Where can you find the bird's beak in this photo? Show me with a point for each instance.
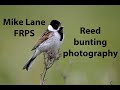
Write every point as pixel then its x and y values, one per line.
pixel 62 27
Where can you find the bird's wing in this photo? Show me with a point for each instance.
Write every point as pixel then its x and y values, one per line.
pixel 43 38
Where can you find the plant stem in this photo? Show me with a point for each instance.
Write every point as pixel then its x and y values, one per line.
pixel 43 76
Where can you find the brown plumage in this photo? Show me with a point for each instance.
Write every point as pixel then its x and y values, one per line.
pixel 44 37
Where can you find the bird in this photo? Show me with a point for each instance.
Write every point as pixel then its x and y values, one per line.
pixel 51 39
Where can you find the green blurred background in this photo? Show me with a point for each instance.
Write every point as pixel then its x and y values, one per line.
pixel 15 51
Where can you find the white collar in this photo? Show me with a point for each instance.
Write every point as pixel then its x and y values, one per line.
pixel 51 28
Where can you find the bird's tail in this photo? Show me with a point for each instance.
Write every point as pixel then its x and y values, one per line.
pixel 29 63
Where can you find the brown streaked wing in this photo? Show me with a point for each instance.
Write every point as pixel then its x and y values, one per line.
pixel 44 37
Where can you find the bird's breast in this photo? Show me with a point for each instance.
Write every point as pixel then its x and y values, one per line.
pixel 52 43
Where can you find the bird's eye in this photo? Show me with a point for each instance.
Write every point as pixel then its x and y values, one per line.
pixel 56 24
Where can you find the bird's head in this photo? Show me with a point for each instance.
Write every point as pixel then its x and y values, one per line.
pixel 54 25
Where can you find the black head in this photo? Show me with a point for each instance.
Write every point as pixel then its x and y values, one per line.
pixel 55 24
